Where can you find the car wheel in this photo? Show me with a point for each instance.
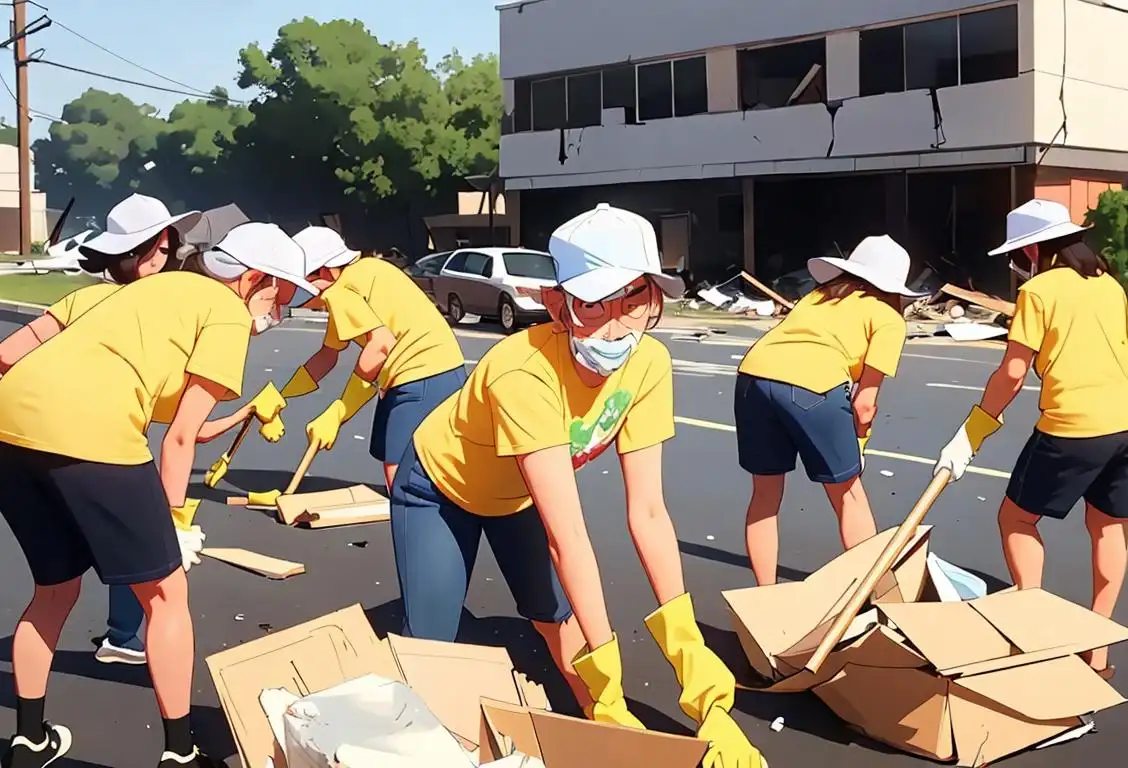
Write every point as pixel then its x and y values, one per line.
pixel 455 308
pixel 507 314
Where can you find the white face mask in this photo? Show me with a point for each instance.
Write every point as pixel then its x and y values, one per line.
pixel 604 356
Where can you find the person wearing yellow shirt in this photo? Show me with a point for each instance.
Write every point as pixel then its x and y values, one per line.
pixel 1069 327
pixel 499 457
pixel 79 487
pixel 808 390
pixel 408 352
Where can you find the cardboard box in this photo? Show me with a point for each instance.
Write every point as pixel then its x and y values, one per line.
pixel 970 682
pixel 340 647
pixel 569 742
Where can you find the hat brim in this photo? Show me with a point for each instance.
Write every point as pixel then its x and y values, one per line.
pixel 601 282
pixel 825 268
pixel 334 260
pixel 1052 232
pixel 118 243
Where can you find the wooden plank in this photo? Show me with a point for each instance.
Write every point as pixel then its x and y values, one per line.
pixel 767 291
pixel 263 565
pixel 980 299
pixel 347 514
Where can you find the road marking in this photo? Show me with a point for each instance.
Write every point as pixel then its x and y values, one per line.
pixel 974 389
pixel 951 359
pixel 717 426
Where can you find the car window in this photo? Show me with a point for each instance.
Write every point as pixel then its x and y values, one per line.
pixel 457 262
pixel 432 265
pixel 538 266
pixel 478 264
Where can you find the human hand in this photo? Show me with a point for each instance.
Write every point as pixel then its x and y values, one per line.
pixel 273 430
pixel 323 431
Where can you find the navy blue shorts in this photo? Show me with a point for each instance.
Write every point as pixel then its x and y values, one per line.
pixel 436 543
pixel 1053 473
pixel 402 409
pixel 777 423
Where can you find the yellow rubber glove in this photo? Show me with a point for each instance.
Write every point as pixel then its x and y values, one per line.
pixel 263 498
pixel 323 430
pixel 956 456
pixel 268 403
pixel 602 673
pixel 216 471
pixel 273 430
pixel 301 383
pixel 862 441
pixel 707 684
pixel 182 517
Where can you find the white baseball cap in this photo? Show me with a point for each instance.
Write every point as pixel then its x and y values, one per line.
pixel 606 249
pixel 134 220
pixel 324 247
pixel 264 247
pixel 879 260
pixel 1036 222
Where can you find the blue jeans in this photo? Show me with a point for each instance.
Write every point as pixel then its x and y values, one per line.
pixel 436 544
pixel 402 409
pixel 124 622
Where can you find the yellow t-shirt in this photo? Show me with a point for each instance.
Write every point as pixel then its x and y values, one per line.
pixel 371 293
pixel 526 395
pixel 825 342
pixel 77 303
pixel 90 392
pixel 1077 327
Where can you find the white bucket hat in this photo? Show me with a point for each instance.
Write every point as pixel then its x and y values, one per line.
pixel 605 250
pixel 324 247
pixel 134 220
pixel 1036 222
pixel 879 260
pixel 264 247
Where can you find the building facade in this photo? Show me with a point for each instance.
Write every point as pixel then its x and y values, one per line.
pixel 758 133
pixel 10 204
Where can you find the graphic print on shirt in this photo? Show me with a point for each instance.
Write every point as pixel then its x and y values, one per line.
pixel 588 441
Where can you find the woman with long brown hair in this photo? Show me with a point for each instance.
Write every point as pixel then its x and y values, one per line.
pixel 808 390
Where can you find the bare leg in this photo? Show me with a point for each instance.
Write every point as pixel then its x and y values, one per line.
pixel 169 641
pixel 1022 545
pixel 761 535
pixel 37 634
pixel 1110 560
pixel 564 642
pixel 851 505
pixel 389 476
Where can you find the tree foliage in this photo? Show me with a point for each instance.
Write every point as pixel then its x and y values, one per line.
pixel 1109 235
pixel 339 119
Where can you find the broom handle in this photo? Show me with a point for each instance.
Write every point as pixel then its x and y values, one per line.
pixel 301 470
pixel 238 441
pixel 893 551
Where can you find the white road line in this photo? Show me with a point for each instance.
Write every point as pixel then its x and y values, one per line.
pixel 951 359
pixel 717 426
pixel 969 387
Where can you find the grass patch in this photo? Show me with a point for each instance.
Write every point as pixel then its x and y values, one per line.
pixel 41 289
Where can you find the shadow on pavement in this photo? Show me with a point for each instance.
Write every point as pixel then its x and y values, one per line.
pixel 740 560
pixel 65 762
pixel 83 664
pixel 994 584
pixel 269 479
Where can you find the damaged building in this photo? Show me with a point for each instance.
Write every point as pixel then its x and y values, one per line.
pixel 756 134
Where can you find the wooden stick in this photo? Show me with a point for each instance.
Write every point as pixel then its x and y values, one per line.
pixel 238 441
pixel 768 291
pixel 301 470
pixel 893 551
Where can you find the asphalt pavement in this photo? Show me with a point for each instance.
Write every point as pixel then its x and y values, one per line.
pixel 111 709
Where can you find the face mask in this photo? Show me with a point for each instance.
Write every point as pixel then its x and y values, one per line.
pixel 264 323
pixel 1023 274
pixel 604 356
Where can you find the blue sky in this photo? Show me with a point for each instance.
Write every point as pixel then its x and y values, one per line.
pixel 197 42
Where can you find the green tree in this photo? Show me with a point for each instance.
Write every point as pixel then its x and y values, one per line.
pixel 1109 235
pixel 473 90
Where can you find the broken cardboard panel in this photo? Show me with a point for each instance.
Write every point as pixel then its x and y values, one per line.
pixel 263 565
pixel 311 507
pixel 568 742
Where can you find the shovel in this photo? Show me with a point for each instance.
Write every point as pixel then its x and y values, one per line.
pixel 219 469
pixel 893 551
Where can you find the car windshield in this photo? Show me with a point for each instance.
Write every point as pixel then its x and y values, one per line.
pixel 538 266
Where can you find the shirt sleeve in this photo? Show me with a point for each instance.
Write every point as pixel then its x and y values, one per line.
pixel 1028 327
pixel 650 418
pixel 220 355
pixel 886 342
pixel 63 309
pixel 351 316
pixel 528 414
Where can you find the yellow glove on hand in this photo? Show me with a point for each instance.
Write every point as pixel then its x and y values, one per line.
pixel 301 383
pixel 273 430
pixel 862 441
pixel 707 684
pixel 217 470
pixel 182 517
pixel 322 431
pixel 263 498
pixel 956 456
pixel 728 746
pixel 602 673
pixel 268 403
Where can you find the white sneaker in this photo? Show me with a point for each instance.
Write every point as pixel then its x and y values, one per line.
pixel 23 754
pixel 112 654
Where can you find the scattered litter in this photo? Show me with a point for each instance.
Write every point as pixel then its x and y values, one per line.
pixel 886 473
pixel 777 724
pixel 710 538
pixel 359 544
pixel 267 628
pixel 268 370
pixel 952 583
pixel 694 304
pixel 239 617
pixel 714 297
pixel 981 498
pixel 276 350
pixel 974 331
pixel 358 437
pixel 604 472
pixel 263 565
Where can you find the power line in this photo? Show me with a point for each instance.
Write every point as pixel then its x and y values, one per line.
pixel 35 112
pixel 127 81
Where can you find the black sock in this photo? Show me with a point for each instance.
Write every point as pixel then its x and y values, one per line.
pixel 29 719
pixel 178 736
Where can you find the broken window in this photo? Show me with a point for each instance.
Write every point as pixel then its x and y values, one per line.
pixel 691 87
pixel 585 100
pixel 619 91
pixel 655 91
pixel 550 104
pixel 932 54
pixel 989 45
pixel 522 106
pixel 783 75
pixel 881 61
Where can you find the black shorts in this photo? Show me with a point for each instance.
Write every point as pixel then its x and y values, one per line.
pixel 70 516
pixel 1054 473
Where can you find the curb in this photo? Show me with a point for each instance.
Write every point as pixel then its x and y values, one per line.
pixel 21 308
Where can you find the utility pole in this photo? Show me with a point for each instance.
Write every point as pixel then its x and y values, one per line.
pixel 23 122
